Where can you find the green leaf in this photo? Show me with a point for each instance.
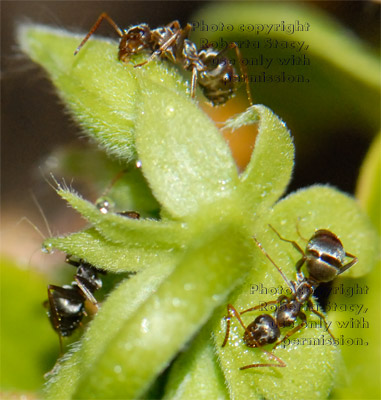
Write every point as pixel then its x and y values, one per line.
pixel 27 343
pixel 100 91
pixel 169 318
pixel 186 161
pixel 189 266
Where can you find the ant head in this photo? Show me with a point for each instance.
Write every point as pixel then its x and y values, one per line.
pixel 325 256
pixel 133 41
pixel 263 330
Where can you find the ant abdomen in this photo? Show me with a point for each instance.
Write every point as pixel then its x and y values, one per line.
pixel 325 256
pixel 66 309
pixel 66 304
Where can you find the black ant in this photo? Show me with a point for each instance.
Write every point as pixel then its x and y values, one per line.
pixel 66 304
pixel 324 258
pixel 214 74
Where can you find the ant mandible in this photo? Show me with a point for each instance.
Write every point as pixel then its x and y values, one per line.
pixel 214 73
pixel 324 258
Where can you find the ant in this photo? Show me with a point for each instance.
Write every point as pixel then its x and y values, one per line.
pixel 66 304
pixel 324 258
pixel 214 74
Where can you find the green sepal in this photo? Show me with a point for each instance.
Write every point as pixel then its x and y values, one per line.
pixel 267 175
pixel 124 301
pixel 185 160
pixel 91 246
pixel 134 232
pixel 196 373
pixel 169 317
pixel 101 92
pixel 317 207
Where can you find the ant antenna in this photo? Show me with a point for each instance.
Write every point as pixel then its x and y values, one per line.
pixel 273 262
pixel 298 230
pixel 296 246
pixel 118 176
pixel 96 26
pixel 34 226
pixel 41 211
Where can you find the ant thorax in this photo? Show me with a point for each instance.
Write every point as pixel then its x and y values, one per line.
pixel 304 290
pixel 163 35
pixel 88 275
pixel 190 57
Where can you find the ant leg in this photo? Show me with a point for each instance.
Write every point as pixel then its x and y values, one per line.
pixel 86 292
pixel 193 82
pixel 350 264
pixel 96 26
pixel 116 178
pixel 260 305
pixel 303 324
pixel 72 262
pixel 271 355
pixel 300 263
pixel 321 316
pixel 160 50
pixel 231 312
pixel 273 262
pixel 174 25
pixel 243 69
